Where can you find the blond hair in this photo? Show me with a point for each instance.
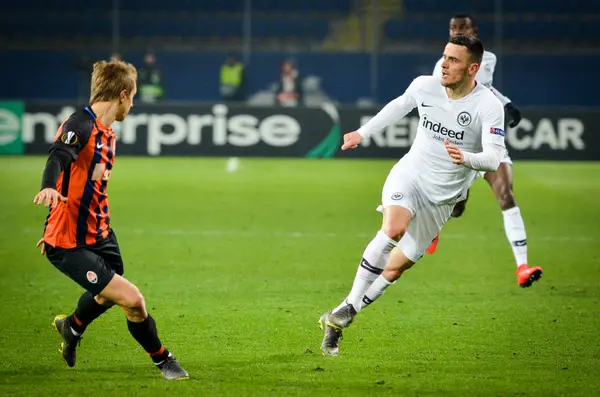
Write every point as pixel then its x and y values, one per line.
pixel 110 78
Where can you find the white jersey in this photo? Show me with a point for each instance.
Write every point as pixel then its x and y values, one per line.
pixel 472 123
pixel 485 75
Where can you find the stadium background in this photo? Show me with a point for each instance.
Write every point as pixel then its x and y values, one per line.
pixel 355 55
pixel 359 49
pixel 237 257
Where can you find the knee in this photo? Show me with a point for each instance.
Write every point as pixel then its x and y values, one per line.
pixel 394 229
pixel 134 300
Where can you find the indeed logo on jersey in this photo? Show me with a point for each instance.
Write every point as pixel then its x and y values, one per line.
pixel 442 132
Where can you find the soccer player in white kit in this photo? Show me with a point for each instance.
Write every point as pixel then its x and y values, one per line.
pixel 500 180
pixel 461 132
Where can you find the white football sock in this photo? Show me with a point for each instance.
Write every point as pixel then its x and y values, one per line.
pixel 371 265
pixel 375 291
pixel 515 233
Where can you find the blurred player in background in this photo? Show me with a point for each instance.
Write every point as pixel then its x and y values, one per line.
pixel 460 132
pixel 78 239
pixel 501 180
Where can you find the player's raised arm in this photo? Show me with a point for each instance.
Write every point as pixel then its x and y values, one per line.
pixel 393 111
pixel 72 138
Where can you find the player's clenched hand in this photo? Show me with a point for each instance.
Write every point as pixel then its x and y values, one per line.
pixel 352 140
pixel 454 152
pixel 41 242
pixel 49 197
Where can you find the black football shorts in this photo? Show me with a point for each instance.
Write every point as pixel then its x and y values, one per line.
pixel 90 266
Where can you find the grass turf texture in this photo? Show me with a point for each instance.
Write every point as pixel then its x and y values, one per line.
pixel 237 267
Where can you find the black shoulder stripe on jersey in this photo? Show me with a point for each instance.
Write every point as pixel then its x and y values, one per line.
pixel 75 133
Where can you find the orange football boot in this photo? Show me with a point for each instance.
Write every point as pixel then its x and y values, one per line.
pixel 433 245
pixel 528 275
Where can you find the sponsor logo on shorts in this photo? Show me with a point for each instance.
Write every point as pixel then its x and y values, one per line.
pixel 92 277
pixel 397 196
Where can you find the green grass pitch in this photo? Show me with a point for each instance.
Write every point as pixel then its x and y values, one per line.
pixel 237 267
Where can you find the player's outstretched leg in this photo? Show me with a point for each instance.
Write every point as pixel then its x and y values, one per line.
pixel 501 182
pixel 334 322
pixel 72 327
pixel 142 326
pixel 376 258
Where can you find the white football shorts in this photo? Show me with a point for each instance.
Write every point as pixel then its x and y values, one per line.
pixel 428 218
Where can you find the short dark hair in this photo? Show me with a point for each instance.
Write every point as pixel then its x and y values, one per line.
pixel 473 44
pixel 467 16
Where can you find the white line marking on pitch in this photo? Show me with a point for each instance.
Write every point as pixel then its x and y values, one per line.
pixel 291 234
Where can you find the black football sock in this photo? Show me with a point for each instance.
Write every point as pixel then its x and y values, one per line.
pixel 87 311
pixel 146 335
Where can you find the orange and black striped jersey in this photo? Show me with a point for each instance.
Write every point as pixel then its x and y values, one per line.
pixel 84 219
